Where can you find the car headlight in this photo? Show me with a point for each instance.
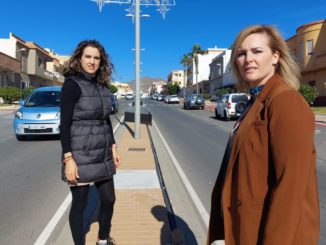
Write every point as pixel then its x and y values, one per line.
pixel 19 115
pixel 58 115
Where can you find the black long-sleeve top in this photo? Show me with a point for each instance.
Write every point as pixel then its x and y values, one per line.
pixel 70 94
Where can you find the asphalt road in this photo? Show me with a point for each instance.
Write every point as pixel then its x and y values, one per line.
pixel 31 189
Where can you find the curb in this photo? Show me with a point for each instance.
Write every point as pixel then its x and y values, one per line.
pixel 176 234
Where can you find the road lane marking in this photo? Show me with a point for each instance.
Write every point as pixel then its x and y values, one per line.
pixel 6 138
pixel 46 233
pixel 42 239
pixel 198 204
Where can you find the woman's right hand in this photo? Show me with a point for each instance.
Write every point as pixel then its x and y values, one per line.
pixel 71 171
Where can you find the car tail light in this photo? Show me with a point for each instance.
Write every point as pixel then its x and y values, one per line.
pixel 229 105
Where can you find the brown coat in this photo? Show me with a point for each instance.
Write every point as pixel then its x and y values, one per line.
pixel 269 195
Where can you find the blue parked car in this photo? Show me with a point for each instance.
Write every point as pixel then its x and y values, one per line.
pixel 39 114
pixel 115 103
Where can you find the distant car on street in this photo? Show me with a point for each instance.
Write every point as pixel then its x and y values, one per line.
pixel 173 99
pixel 154 96
pixel 39 114
pixel 196 101
pixel 160 97
pixel 231 105
pixel 115 103
pixel 166 99
pixel 129 97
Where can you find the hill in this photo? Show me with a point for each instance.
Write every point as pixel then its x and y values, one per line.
pixel 145 83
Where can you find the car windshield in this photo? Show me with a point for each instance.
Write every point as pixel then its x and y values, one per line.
pixel 43 99
pixel 237 98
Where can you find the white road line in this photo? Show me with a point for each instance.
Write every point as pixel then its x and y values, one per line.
pixel 46 233
pixel 199 205
pixel 42 239
pixel 6 138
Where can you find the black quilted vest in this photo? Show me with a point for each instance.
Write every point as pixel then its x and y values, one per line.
pixel 91 139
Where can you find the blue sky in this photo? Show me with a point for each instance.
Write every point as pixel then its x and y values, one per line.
pixel 61 24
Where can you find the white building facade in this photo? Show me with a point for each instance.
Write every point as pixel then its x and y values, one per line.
pixel 220 75
pixel 203 70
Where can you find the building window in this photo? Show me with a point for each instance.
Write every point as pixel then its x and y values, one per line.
pixel 312 83
pixel 310 47
pixel 39 62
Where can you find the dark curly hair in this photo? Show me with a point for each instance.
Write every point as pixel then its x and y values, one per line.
pixel 73 65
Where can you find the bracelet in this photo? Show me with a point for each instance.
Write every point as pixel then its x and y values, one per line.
pixel 66 159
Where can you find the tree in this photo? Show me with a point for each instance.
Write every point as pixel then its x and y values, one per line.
pixel 185 61
pixel 196 49
pixel 173 88
pixel 308 92
pixel 113 89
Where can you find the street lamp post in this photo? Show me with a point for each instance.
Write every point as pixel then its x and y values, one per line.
pixel 134 11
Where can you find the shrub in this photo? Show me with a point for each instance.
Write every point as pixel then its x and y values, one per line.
pixel 113 89
pixel 207 96
pixel 27 91
pixel 10 94
pixel 222 91
pixel 308 92
pixel 173 88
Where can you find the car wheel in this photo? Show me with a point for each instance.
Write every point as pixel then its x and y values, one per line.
pixel 225 116
pixel 217 116
pixel 20 137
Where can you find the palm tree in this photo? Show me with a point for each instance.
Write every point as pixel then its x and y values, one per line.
pixel 185 61
pixel 196 49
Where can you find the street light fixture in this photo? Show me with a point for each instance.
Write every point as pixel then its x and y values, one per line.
pixel 134 11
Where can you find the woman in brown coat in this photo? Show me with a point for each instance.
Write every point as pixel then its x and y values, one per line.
pixel 266 190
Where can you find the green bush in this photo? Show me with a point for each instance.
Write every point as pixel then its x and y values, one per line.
pixel 222 91
pixel 308 92
pixel 113 89
pixel 173 88
pixel 207 96
pixel 27 91
pixel 10 94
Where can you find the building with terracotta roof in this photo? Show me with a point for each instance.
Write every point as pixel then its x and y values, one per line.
pixel 32 60
pixel 308 47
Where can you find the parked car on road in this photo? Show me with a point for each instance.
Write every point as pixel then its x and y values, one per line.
pixel 173 99
pixel 39 114
pixel 129 97
pixel 226 106
pixel 166 99
pixel 194 101
pixel 160 97
pixel 115 103
pixel 154 96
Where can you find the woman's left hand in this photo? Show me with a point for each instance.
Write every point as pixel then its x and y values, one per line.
pixel 116 156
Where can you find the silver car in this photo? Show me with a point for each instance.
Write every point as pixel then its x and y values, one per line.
pixel 39 114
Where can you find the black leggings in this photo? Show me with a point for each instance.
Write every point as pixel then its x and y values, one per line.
pixel 79 201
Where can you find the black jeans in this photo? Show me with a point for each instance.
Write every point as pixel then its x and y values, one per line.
pixel 79 201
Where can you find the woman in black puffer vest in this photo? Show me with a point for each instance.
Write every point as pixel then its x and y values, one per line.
pixel 88 145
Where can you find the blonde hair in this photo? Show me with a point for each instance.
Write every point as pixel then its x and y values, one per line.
pixel 287 68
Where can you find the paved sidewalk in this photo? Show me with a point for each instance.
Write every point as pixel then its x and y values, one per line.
pixel 140 216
